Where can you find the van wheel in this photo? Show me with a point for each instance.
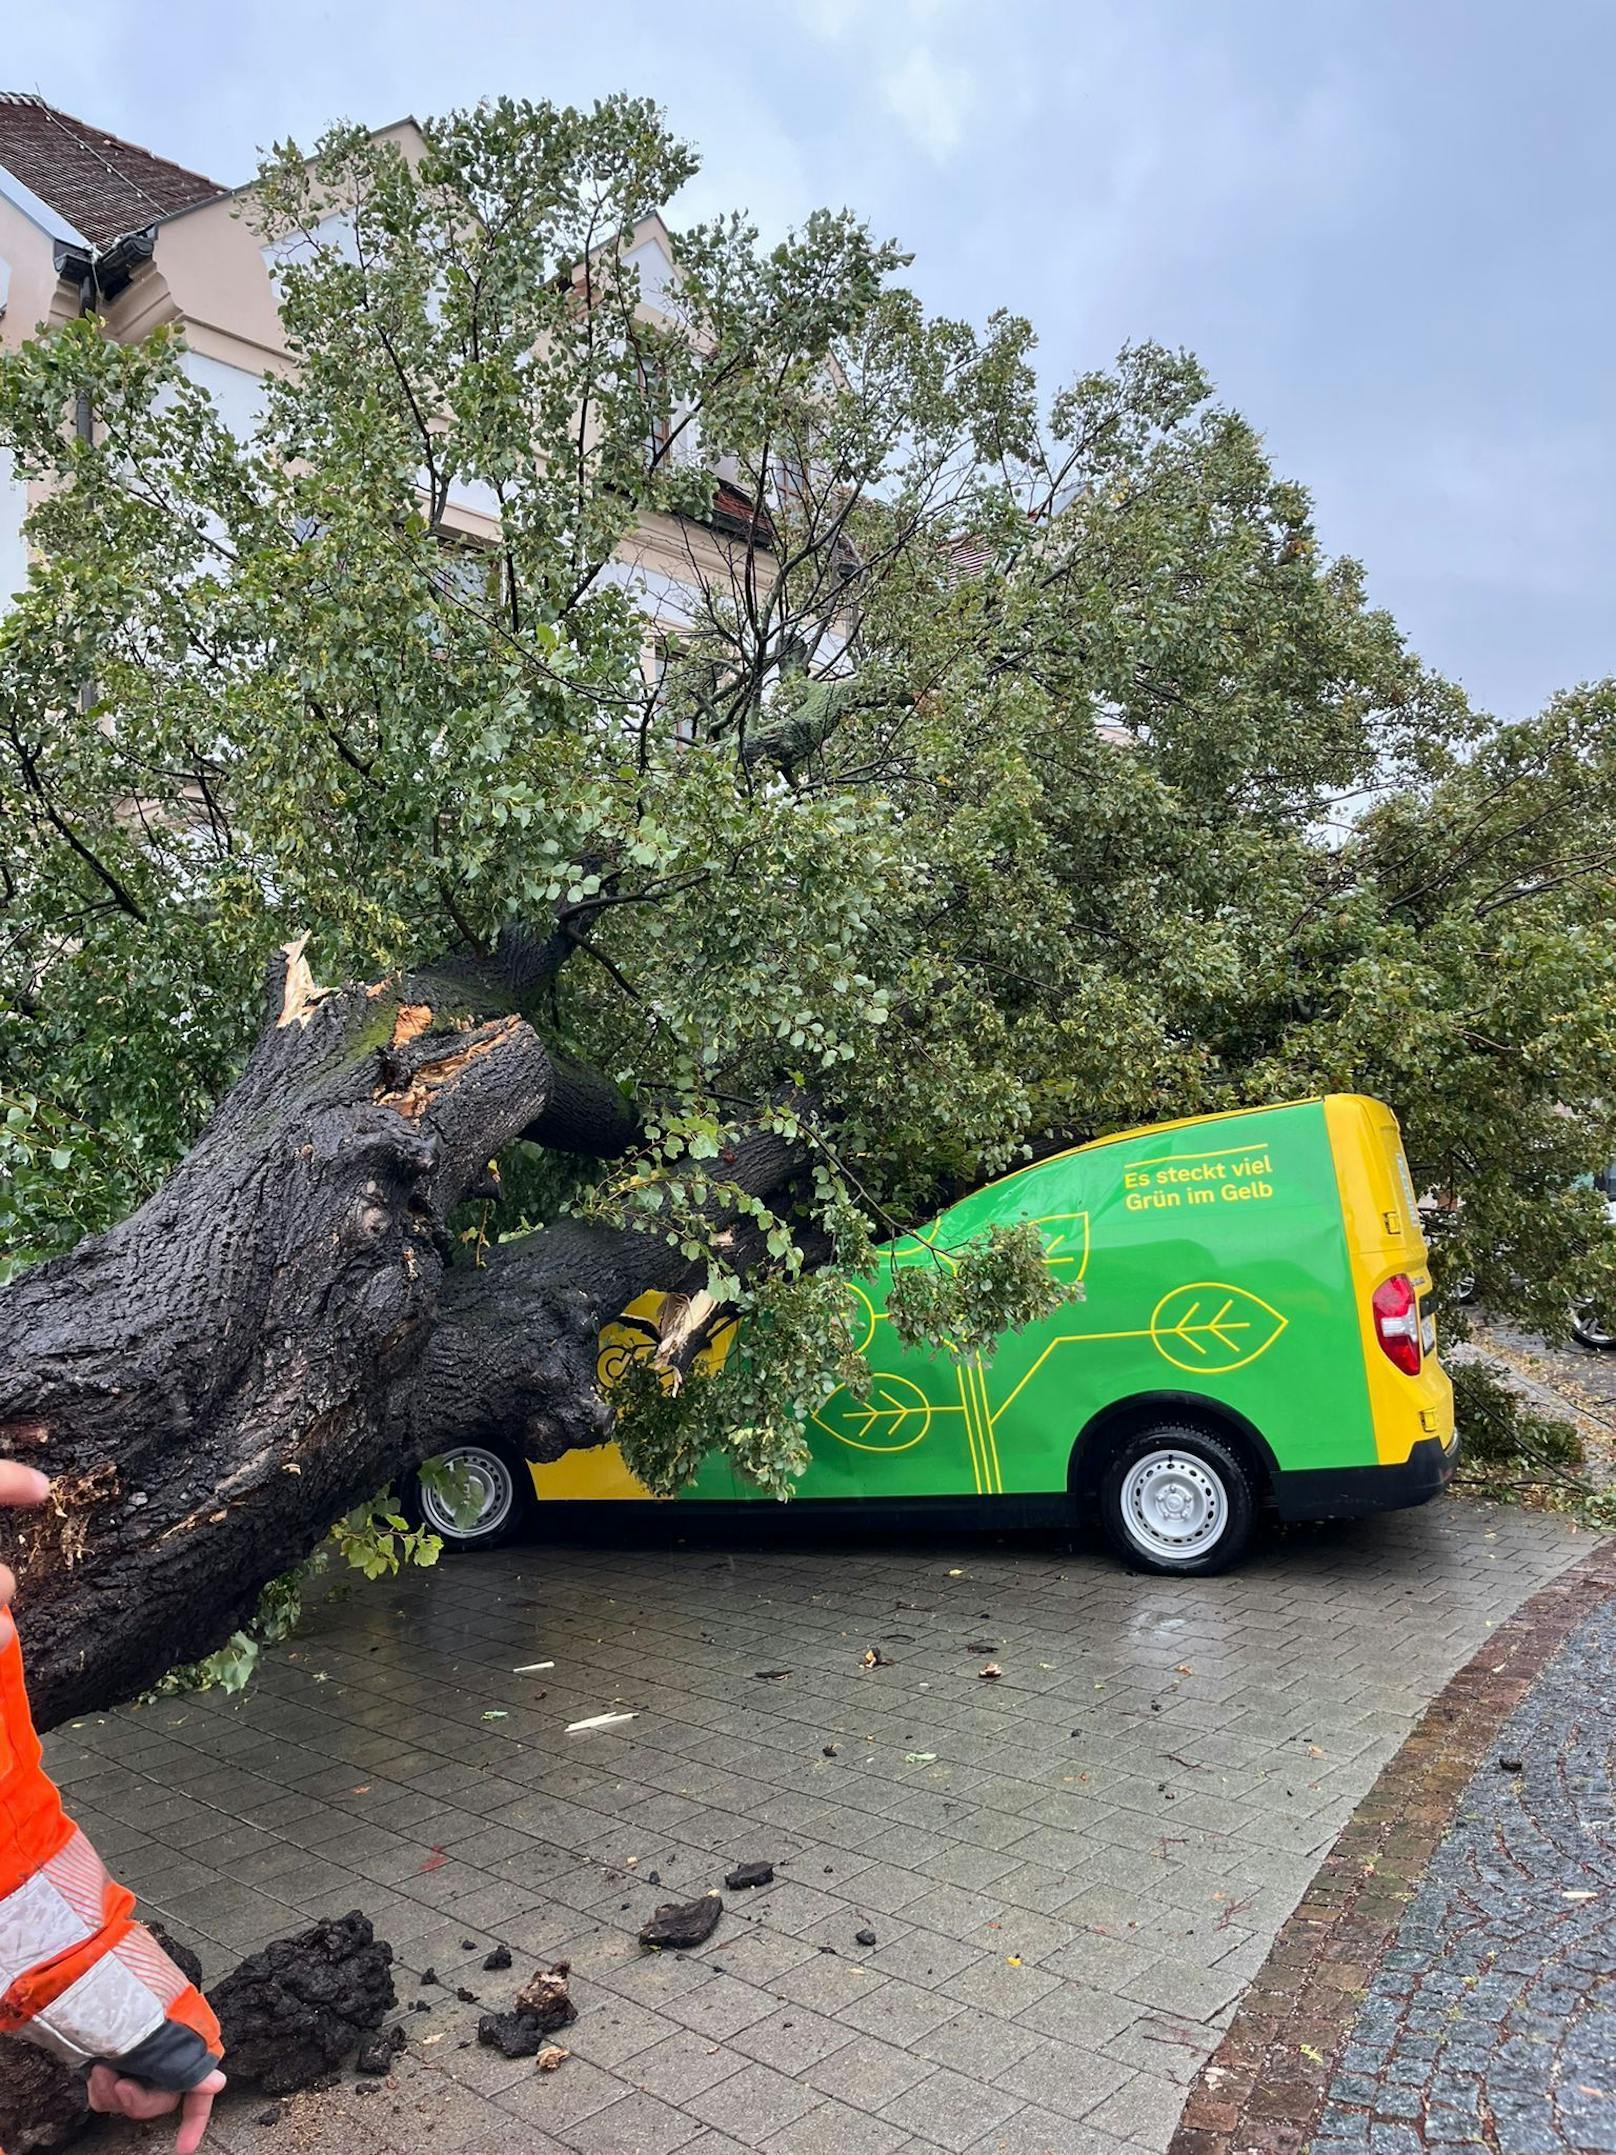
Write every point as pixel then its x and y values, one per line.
pixel 1178 1500
pixel 498 1498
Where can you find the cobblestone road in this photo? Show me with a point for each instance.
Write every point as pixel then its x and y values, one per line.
pixel 1492 2022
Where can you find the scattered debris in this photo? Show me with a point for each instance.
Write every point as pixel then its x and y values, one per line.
pixel 1510 1765
pixel 468 1945
pixel 269 2116
pixel 682 1924
pixel 749 1874
pixel 532 1668
pixel 830 1750
pixel 875 1659
pixel 513 2035
pixel 920 1758
pixel 990 1672
pixel 981 1646
pixel 576 1728
pixel 426 1976
pixel 499 1959
pixel 550 2057
pixel 864 1937
pixel 542 2005
pixel 544 1997
pixel 467 1997
pixel 496 1713
pixel 419 2005
pixel 377 2052
pixel 771 1676
pixel 293 2011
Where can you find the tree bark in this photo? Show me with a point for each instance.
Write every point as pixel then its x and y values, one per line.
pixel 259 1347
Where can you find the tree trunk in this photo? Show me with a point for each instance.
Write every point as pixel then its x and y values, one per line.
pixel 258 1348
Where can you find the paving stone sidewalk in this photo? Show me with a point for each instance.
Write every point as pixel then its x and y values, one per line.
pixel 1071 1871
pixel 1491 2024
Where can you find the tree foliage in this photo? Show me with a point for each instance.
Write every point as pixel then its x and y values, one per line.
pixel 1015 764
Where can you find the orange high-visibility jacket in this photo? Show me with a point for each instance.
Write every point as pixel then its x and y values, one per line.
pixel 77 1974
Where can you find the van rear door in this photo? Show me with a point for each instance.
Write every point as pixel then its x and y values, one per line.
pixel 1410 1396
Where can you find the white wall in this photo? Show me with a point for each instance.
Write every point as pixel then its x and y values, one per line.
pixel 13 552
pixel 659 596
pixel 237 393
pixel 650 258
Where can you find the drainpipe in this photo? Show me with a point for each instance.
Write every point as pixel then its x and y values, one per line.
pixel 83 409
pixel 101 273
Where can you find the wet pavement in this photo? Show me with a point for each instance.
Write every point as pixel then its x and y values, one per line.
pixel 1071 1870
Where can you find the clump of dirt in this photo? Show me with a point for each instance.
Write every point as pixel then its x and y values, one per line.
pixel 543 2004
pixel 513 2035
pixel 293 2012
pixel 746 1875
pixel 42 2104
pixel 544 1997
pixel 682 1925
pixel 377 2052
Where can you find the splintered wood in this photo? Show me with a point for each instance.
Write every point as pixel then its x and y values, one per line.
pixel 300 996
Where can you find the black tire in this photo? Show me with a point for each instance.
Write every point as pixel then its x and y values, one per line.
pixel 497 1471
pixel 1166 1465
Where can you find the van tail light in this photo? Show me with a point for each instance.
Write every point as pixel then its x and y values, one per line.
pixel 1397 1322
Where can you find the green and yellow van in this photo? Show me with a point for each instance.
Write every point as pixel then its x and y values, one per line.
pixel 1252 1337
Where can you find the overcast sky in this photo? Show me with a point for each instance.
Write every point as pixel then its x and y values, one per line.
pixel 1385 226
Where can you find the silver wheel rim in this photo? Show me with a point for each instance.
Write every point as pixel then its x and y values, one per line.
pixel 1174 1505
pixel 1592 1330
pixel 487 1480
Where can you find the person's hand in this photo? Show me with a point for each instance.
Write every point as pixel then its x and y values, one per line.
pixel 115 2097
pixel 18 1485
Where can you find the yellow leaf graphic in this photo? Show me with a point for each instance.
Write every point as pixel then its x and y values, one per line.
pixel 894 1418
pixel 1209 1326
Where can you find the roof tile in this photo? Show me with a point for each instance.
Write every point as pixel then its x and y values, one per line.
pixel 100 184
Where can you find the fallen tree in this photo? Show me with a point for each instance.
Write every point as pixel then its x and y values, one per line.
pixel 274 1335
pixel 973 800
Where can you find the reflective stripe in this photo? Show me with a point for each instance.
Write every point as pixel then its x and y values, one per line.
pixel 103 2014
pixel 36 1923
pixel 149 1964
pixel 80 1876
